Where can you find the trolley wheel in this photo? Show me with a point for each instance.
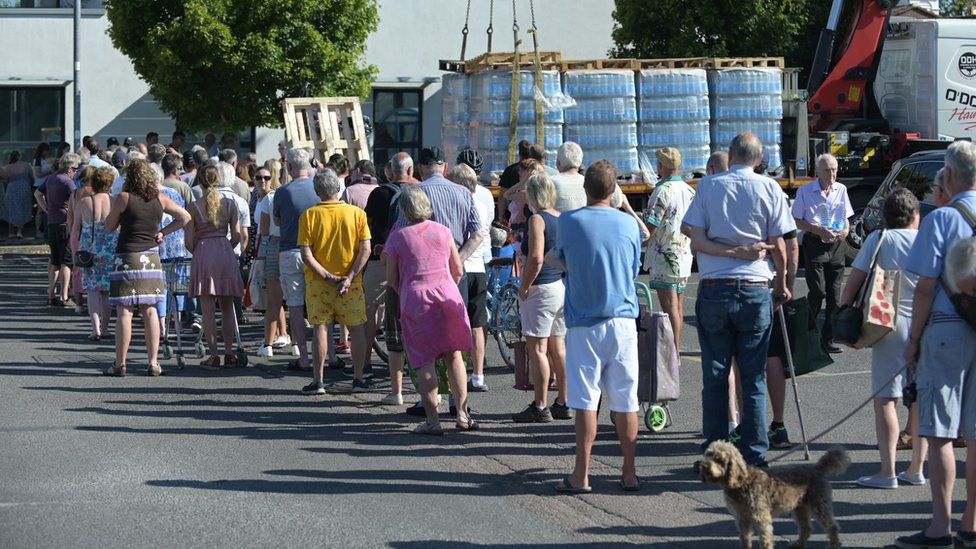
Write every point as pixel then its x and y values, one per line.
pixel 167 352
pixel 180 362
pixel 656 418
pixel 199 350
pixel 241 358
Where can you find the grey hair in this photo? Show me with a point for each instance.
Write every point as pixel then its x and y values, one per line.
pixel 540 191
pixel 157 171
pixel 961 159
pixel 414 204
pixel 69 160
pixel 85 155
pixel 745 148
pixel 326 184
pixel 298 159
pixel 400 163
pixel 227 155
pixel 464 175
pixel 155 153
pixel 569 156
pixel 960 264
pixel 824 158
pixel 171 163
pixel 939 179
pixel 136 155
pixel 227 174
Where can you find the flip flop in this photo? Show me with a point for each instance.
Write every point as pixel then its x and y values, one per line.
pixel 566 487
pixel 635 487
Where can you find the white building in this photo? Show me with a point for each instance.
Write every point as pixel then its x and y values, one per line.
pixel 36 72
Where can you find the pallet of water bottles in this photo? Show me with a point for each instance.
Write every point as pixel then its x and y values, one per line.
pixel 552 60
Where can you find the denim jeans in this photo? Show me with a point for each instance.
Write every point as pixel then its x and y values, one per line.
pixel 735 321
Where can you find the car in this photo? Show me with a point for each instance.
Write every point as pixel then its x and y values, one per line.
pixel 915 173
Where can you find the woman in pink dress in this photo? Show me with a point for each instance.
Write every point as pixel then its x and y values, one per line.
pixel 214 273
pixel 424 266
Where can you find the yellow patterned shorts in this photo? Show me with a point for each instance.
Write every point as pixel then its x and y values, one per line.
pixel 326 306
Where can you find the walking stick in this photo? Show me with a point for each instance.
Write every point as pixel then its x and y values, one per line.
pixel 796 396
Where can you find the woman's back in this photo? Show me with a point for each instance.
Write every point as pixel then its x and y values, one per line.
pixel 892 257
pixel 422 253
pixel 101 202
pixel 139 224
pixel 203 228
pixel 548 273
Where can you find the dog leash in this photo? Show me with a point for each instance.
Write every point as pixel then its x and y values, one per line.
pixel 841 421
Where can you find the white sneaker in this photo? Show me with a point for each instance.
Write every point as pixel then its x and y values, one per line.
pixel 294 351
pixel 392 400
pixel 884 483
pixel 916 479
pixel 265 350
pixel 281 343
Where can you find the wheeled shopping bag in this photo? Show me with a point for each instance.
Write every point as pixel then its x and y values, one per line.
pixel 657 354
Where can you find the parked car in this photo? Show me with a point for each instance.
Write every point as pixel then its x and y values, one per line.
pixel 915 173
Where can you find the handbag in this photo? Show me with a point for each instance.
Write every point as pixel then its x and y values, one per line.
pixel 964 304
pixel 875 310
pixel 84 258
pixel 807 348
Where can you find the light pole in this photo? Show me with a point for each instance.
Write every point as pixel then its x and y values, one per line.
pixel 77 83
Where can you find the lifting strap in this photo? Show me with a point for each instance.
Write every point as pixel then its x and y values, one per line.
pixel 464 31
pixel 540 129
pixel 491 20
pixel 516 84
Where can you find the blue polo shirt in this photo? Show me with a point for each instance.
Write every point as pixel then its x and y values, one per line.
pixel 601 249
pixel 936 235
pixel 291 201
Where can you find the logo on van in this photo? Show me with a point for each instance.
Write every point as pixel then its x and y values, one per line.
pixel 967 65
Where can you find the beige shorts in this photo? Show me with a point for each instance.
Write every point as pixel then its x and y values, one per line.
pixel 542 310
pixel 292 277
pixel 374 281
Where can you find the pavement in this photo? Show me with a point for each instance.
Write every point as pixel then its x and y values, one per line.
pixel 240 458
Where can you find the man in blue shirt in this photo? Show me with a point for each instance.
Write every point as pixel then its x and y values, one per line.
pixel 944 348
pixel 734 306
pixel 599 248
pixel 291 201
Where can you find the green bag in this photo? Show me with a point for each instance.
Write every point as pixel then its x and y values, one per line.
pixel 440 367
pixel 809 351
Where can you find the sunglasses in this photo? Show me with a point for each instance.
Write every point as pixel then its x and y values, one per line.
pixel 262 178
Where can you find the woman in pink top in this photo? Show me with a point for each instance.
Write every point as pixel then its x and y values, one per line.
pixel 424 266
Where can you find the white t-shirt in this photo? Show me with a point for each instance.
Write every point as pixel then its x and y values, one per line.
pixel 569 191
pixel 266 206
pixel 485 204
pixel 892 257
pixel 243 211
pixel 117 186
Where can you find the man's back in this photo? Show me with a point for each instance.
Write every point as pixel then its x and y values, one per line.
pixel 358 194
pixel 738 208
pixel 601 249
pixel 290 203
pixel 570 194
pixel 181 188
pixel 453 207
pixel 333 231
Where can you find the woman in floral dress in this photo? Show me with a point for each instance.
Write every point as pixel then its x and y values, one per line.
pixel 89 222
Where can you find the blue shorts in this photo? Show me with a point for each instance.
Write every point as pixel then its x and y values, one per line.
pixel 946 380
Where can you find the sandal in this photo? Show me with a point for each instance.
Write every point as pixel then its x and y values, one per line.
pixel 426 428
pixel 211 364
pixel 467 423
pixel 93 337
pixel 230 360
pixel 635 487
pixel 566 487
pixel 154 371
pixel 114 371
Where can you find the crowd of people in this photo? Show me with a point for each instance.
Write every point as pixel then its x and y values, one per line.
pixel 352 253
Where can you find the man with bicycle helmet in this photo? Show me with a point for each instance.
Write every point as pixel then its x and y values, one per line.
pixel 472 158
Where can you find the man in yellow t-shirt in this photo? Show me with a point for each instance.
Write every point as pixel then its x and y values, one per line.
pixel 335 242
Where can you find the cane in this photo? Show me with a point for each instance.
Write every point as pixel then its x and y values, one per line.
pixel 796 396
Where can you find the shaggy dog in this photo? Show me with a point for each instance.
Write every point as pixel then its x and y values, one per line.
pixel 755 496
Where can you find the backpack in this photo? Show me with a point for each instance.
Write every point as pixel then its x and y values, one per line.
pixel 964 304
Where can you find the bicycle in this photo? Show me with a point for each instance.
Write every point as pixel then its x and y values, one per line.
pixel 504 322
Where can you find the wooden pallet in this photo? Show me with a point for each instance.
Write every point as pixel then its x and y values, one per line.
pixel 600 64
pixel 326 125
pixel 506 60
pixel 746 62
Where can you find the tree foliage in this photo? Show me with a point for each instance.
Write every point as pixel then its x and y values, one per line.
pixel 957 8
pixel 738 28
pixel 226 64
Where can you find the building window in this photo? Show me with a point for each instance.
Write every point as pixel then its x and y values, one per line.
pixel 29 115
pixel 397 123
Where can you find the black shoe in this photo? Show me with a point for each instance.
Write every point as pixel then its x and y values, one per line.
pixel 314 388
pixel 965 539
pixel 452 410
pixel 337 364
pixel 362 385
pixel 833 348
pixel 779 438
pixel 477 388
pixel 532 414
pixel 417 410
pixel 560 411
pixel 348 371
pixel 921 541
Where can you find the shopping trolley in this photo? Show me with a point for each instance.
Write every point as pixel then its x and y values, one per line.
pixel 177 273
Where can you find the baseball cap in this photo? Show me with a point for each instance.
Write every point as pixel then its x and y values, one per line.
pixel 433 155
pixel 669 157
pixel 119 158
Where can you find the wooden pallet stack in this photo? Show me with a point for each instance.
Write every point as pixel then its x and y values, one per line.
pixel 326 125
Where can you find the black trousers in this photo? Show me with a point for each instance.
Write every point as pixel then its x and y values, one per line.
pixel 824 265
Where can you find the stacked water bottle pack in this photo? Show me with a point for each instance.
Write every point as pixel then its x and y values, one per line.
pixel 604 120
pixel 674 113
pixel 490 111
pixel 456 115
pixel 747 100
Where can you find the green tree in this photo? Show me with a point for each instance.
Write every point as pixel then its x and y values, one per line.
pixel 957 8
pixel 738 28
pixel 226 64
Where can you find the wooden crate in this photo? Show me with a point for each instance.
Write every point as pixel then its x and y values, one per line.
pixel 506 60
pixel 326 125
pixel 600 64
pixel 746 62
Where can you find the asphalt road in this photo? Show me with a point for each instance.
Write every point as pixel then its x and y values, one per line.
pixel 240 459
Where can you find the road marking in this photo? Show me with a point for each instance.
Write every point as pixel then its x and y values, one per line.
pixel 834 374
